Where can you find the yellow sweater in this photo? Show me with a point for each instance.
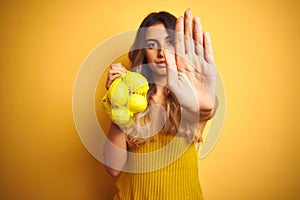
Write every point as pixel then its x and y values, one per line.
pixel 176 181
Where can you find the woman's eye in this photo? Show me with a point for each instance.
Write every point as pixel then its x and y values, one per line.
pixel 152 45
pixel 170 42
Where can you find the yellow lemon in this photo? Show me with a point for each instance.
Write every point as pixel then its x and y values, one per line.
pixel 142 90
pixel 118 93
pixel 137 103
pixel 135 81
pixel 120 115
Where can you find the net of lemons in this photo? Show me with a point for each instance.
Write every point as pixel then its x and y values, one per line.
pixel 125 97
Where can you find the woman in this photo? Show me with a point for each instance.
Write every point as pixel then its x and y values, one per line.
pixel 177 59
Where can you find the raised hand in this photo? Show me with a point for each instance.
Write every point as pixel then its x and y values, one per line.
pixel 191 73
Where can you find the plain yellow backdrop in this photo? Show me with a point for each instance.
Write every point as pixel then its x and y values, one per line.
pixel 43 44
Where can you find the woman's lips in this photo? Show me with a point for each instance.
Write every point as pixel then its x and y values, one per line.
pixel 162 64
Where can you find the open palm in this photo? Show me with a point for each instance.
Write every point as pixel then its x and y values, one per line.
pixel 192 74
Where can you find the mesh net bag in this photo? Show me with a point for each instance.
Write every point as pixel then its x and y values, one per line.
pixel 126 97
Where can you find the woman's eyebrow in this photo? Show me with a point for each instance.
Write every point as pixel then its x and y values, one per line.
pixel 151 40
pixel 155 40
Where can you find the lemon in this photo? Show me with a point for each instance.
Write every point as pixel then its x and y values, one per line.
pixel 142 90
pixel 120 115
pixel 137 103
pixel 118 92
pixel 135 81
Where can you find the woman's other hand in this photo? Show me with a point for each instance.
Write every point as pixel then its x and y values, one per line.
pixel 115 71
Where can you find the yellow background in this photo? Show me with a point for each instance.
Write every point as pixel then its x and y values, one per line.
pixel 43 44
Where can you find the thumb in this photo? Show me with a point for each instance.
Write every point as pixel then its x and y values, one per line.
pixel 172 73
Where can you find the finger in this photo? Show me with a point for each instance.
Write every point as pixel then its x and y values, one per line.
pixel 114 77
pixel 197 36
pixel 118 66
pixel 179 38
pixel 188 32
pixel 208 51
pixel 116 71
pixel 172 73
pixel 111 79
pixel 108 83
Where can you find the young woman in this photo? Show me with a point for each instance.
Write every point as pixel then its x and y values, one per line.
pixel 177 59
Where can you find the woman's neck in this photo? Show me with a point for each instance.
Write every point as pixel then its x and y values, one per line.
pixel 160 96
pixel 161 90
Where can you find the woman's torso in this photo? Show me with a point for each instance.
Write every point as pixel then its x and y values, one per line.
pixel 167 178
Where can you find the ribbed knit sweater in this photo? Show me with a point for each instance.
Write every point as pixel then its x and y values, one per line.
pixel 176 181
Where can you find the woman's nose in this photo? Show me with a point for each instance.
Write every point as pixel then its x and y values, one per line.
pixel 161 53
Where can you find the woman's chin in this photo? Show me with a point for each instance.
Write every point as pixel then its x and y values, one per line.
pixel 161 72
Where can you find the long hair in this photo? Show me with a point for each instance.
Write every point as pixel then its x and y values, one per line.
pixel 173 123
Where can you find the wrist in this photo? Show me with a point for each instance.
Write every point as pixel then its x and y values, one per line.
pixel 196 114
pixel 208 114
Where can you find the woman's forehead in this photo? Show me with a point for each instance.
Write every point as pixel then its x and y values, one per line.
pixel 157 31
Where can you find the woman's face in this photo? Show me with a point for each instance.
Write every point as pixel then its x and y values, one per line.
pixel 157 41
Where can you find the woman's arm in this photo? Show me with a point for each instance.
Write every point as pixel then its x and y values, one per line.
pixel 115 151
pixel 201 126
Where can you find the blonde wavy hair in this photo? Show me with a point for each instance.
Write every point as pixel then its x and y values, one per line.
pixel 174 124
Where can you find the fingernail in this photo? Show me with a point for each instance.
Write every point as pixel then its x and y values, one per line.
pixel 189 12
pixel 179 19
